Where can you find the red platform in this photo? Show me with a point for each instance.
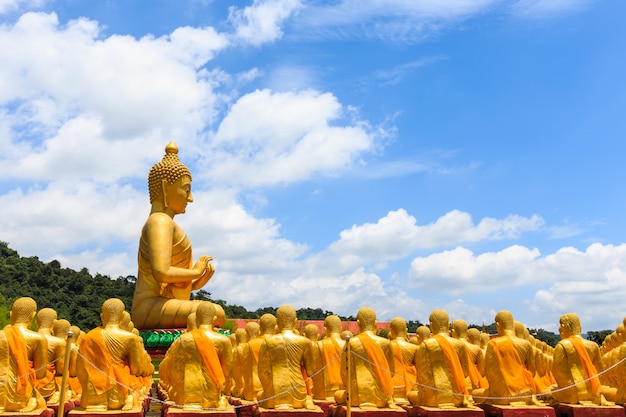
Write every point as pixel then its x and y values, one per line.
pixel 324 405
pixel 340 411
pixel 510 411
pixel 577 410
pixel 66 408
pixel 296 412
pixel 243 408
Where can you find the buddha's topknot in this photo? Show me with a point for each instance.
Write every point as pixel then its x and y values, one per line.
pixel 169 168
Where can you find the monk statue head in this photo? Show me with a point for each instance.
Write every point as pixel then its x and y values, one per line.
pixel 422 333
pixel 112 311
pixel 252 329
pixel 23 311
pixel 439 321
pixel 312 332
pixel 520 329
pixel 61 327
pixel 505 322
pixel 473 336
pixel 205 313
pixel 220 315
pixel 620 331
pixel 46 318
pixel 569 325
pixel 241 335
pixel 459 329
pixel 268 323
pixel 366 319
pixel 332 324
pixel 285 318
pixel 126 323
pixel 398 328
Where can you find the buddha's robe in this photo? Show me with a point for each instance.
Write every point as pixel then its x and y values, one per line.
pixel 576 365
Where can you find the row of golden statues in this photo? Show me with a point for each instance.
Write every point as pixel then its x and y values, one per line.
pixel 444 365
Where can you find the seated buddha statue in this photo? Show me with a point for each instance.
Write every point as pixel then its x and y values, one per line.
pixel 475 358
pixel 371 366
pixel 442 368
pixel 24 353
pixel 47 387
pixel 107 357
pixel 167 274
pixel 315 381
pixel 282 357
pixel 509 366
pixel 576 365
pixel 199 364
pixel 332 345
pixel 404 353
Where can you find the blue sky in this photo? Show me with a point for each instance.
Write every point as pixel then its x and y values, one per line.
pixel 405 155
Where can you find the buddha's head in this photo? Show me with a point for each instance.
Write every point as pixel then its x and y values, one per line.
pixel 46 318
pixel 268 323
pixel 252 329
pixel 459 329
pixel 112 311
pixel 169 181
pixel 205 313
pixel 366 319
pixel 398 328
pixel 61 328
pixel 569 325
pixel 286 318
pixel 332 324
pixel 439 321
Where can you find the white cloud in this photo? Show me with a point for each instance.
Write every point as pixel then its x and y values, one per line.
pixel 276 138
pixel 260 23
pixel 13 5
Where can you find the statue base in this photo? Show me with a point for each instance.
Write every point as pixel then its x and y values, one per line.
pixel 423 411
pixel 296 412
pixel 324 405
pixel 179 412
pixel 78 412
pixel 579 410
pixel 492 410
pixel 340 411
pixel 243 408
pixel 44 412
pixel 69 406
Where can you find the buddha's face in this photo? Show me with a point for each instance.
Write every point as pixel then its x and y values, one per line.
pixel 178 194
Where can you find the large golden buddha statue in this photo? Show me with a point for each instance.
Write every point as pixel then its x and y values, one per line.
pixel 371 366
pixel 24 355
pixel 167 274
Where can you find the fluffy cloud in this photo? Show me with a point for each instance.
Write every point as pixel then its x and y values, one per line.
pixel 275 138
pixel 261 22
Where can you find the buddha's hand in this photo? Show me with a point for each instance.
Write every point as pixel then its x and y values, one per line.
pixel 202 264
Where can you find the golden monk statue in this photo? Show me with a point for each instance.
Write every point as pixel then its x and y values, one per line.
pixel 282 358
pixel 198 364
pixel 45 319
pixel 509 366
pixel 404 353
pixel 371 367
pixel 421 333
pixel 442 368
pixel 241 338
pixel 332 345
pixel 249 361
pixel 107 357
pixel 166 273
pixel 475 359
pixel 576 364
pixel 315 381
pixel 23 353
pixel 60 330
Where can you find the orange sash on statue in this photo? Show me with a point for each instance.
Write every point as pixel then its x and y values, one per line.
pixel 18 349
pixel 255 348
pixel 452 360
pixel 104 373
pixel 590 370
pixel 380 365
pixel 477 379
pixel 209 357
pixel 399 376
pixel 331 351
pixel 510 365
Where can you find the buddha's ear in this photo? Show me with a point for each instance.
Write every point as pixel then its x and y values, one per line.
pixel 163 188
